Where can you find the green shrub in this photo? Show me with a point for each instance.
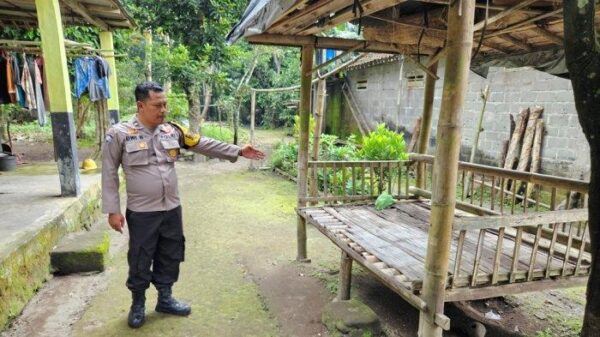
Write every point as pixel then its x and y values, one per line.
pixel 383 144
pixel 285 157
pixel 178 107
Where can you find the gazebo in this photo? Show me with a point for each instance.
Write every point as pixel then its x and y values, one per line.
pixel 50 16
pixel 431 248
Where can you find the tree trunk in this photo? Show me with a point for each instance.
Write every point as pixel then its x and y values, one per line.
pixel 582 52
pixel 82 110
pixel 193 98
pixel 207 90
pixel 148 55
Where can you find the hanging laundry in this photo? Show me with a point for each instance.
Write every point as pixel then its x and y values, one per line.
pixel 4 95
pixel 39 98
pixel 82 75
pixel 12 89
pixel 41 66
pixel 16 72
pixel 98 86
pixel 27 84
pixel 91 74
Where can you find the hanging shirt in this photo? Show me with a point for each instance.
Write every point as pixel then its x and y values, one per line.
pixel 98 87
pixel 27 84
pixel 82 75
pixel 16 72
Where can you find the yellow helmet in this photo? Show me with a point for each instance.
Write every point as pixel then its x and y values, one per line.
pixel 189 139
pixel 89 164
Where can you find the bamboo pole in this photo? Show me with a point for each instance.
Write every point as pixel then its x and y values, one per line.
pixel 426 122
pixel 319 114
pixel 252 122
pixel 459 44
pixel 485 94
pixel 305 93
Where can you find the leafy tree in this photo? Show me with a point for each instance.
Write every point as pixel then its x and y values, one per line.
pixel 582 49
pixel 199 26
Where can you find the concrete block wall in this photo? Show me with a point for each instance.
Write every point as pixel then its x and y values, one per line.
pixel 565 151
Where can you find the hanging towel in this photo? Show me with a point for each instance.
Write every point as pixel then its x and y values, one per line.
pixel 40 63
pixel 12 89
pixel 27 84
pixel 39 98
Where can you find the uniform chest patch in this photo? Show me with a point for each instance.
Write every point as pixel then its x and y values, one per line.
pixel 134 138
pixel 167 136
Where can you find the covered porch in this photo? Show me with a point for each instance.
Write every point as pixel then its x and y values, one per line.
pixel 459 231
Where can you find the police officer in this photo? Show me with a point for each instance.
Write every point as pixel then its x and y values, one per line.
pixel 147 148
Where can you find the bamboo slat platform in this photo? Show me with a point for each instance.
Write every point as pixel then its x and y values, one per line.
pixel 393 243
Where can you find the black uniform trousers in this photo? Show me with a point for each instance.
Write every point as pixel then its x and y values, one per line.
pixel 156 248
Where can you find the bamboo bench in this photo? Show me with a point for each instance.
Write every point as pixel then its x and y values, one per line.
pixel 508 234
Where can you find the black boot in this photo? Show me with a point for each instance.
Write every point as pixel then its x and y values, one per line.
pixel 137 311
pixel 168 305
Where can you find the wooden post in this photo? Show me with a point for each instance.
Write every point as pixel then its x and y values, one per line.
pixel 415 136
pixel 252 121
pixel 345 277
pixel 59 92
pixel 445 167
pixel 426 122
pixel 319 113
pixel 305 91
pixel 107 45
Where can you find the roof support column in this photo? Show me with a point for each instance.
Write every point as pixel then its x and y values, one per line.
pixel 59 92
pixel 305 97
pixel 445 167
pixel 107 45
pixel 426 122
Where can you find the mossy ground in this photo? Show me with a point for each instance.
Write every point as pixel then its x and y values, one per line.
pixel 236 222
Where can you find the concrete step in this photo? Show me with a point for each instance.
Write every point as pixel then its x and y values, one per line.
pixel 81 252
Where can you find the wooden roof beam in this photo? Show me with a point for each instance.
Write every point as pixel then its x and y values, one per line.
pixel 517 42
pixel 507 12
pixel 332 43
pixel 549 36
pixel 81 10
pixel 307 16
pixel 346 15
pixel 523 25
pixel 491 7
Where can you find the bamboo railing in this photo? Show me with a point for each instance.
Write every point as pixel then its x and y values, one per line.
pixel 522 216
pixel 546 213
pixel 334 182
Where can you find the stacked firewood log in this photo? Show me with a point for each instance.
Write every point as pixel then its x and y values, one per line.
pixel 523 150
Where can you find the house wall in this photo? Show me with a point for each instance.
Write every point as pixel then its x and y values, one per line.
pixel 565 150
